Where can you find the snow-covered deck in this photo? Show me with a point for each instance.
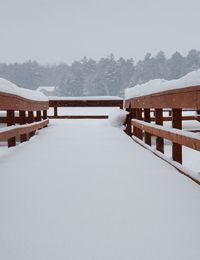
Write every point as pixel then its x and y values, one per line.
pixel 84 190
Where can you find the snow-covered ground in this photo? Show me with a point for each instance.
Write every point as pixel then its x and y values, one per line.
pixel 83 190
pixel 74 111
pixel 190 158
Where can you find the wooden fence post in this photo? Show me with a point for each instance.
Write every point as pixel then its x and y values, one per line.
pixel 31 120
pixel 55 111
pixel 139 117
pixel 38 116
pixel 198 115
pixel 128 122
pixel 22 121
pixel 10 122
pixel 147 118
pixel 134 116
pixel 44 114
pixel 159 121
pixel 177 123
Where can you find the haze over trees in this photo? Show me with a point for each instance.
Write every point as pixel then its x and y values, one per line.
pixel 108 76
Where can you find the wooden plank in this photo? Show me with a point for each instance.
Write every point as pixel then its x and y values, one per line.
pixel 44 114
pixel 194 130
pixel 55 111
pixel 20 130
pixel 3 120
pixel 179 138
pixel 127 104
pixel 159 121
pixel 128 129
pixel 30 117
pixel 198 115
pixel 38 116
pixel 86 103
pixel 177 123
pixel 22 121
pixel 147 118
pixel 31 120
pixel 178 98
pixel 134 116
pixel 184 118
pixel 139 117
pixel 10 122
pixel 14 102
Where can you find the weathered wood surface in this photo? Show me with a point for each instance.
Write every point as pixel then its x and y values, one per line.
pixel 178 137
pixel 177 124
pixel 3 120
pixel 159 121
pixel 13 102
pixel 178 98
pixel 166 106
pixel 20 130
pixel 86 103
pixel 25 109
pixel 83 103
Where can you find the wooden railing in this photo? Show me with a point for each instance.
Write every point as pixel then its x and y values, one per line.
pixel 83 103
pixel 167 115
pixel 29 115
pixel 141 124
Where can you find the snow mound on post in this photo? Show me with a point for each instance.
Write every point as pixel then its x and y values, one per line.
pixel 117 117
pixel 10 88
pixel 157 85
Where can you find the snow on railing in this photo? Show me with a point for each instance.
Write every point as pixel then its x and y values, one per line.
pixel 142 125
pixel 157 85
pixel 10 88
pixel 23 107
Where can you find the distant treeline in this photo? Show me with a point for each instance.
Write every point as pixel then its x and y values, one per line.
pixel 108 76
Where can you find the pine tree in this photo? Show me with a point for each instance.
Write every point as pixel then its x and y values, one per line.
pixel 177 66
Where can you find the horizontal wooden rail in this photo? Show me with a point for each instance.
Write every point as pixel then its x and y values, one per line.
pixel 86 103
pixel 23 111
pixel 83 103
pixel 183 98
pixel 15 131
pixel 175 135
pixel 14 102
pixel 4 120
pixel 178 166
pixel 79 117
pixel 164 106
pixel 184 118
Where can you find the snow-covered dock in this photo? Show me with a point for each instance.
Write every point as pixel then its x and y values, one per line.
pixel 81 189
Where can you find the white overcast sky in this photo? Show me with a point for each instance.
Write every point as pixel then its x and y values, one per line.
pixel 66 30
